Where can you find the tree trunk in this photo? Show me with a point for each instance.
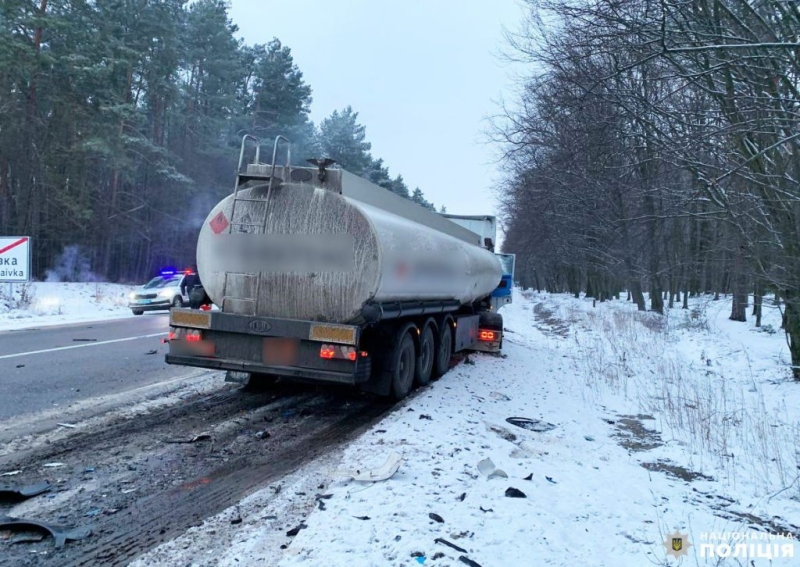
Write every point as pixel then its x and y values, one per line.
pixel 638 296
pixel 792 327
pixel 656 300
pixel 739 289
pixel 758 301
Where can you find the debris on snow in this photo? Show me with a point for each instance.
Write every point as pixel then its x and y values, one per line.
pixel 512 492
pixel 61 534
pixel 384 472
pixel 448 544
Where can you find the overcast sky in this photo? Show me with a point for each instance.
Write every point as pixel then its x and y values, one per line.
pixel 422 74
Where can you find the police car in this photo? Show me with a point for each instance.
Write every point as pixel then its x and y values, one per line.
pixel 162 292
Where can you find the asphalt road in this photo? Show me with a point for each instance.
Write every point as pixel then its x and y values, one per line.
pixel 45 368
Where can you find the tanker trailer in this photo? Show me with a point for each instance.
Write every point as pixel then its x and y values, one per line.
pixel 322 276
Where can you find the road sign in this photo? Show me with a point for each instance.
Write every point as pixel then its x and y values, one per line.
pixel 15 259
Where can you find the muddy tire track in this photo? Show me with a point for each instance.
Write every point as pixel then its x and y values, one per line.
pixel 137 490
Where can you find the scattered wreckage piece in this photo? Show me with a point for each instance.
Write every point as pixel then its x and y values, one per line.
pixel 61 534
pixel 384 472
pixel 531 424
pixel 486 468
pixel 448 544
pixel 17 493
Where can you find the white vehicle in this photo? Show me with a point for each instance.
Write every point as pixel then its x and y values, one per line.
pixel 160 293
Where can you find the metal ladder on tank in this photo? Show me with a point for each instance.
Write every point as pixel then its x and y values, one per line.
pixel 259 227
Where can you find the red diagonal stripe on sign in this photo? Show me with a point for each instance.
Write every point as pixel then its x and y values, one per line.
pixel 13 245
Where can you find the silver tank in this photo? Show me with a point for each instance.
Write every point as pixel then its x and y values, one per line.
pixel 323 256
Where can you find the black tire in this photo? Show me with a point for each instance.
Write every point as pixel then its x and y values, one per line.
pixel 444 350
pixel 177 302
pixel 137 311
pixel 403 364
pixel 425 357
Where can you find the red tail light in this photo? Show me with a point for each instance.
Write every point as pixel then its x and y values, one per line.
pixel 488 336
pixel 194 336
pixel 340 352
pixel 205 308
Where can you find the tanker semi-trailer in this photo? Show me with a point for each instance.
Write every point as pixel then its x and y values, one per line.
pixel 322 276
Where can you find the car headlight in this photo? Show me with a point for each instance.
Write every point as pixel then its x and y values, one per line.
pixel 131 295
pixel 165 293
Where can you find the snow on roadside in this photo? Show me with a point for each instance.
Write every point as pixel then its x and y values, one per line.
pixel 43 304
pixel 619 472
pixel 589 499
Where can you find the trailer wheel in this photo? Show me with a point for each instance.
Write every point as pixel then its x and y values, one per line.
pixel 441 363
pixel 425 357
pixel 403 368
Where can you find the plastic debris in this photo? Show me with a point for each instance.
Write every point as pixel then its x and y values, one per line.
pixel 52 465
pixel 486 467
pixel 486 510
pixel 425 416
pixel 93 513
pixel 61 534
pixel 550 479
pixel 384 472
pixel 152 352
pixel 448 544
pixel 468 561
pixel 515 493
pixel 67 425
pixel 499 396
pixel 461 498
pixel 436 518
pixel 8 492
pixel 294 531
pixel 195 439
pixel 531 424
pixel 11 473
pixel 362 517
pixel 588 437
pixel 26 538
pixel 529 477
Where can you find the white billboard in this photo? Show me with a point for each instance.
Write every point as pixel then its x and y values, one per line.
pixel 15 259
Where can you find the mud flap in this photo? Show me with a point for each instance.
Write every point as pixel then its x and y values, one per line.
pixel 237 377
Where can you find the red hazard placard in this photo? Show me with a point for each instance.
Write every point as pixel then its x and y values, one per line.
pixel 218 223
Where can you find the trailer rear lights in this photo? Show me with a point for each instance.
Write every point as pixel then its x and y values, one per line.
pixel 194 336
pixel 488 336
pixel 338 351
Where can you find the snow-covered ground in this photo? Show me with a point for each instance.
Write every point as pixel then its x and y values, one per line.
pixel 38 304
pixel 645 429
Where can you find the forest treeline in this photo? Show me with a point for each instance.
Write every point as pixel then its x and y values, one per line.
pixel 656 148
pixel 120 125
